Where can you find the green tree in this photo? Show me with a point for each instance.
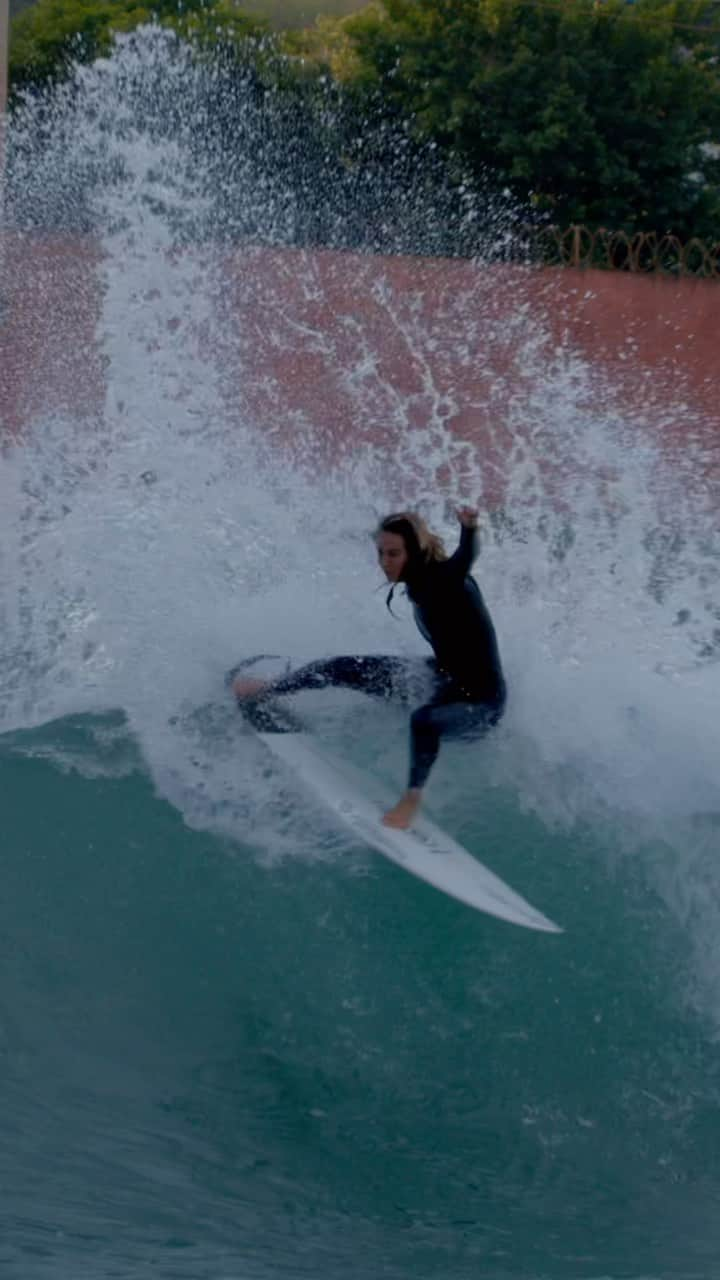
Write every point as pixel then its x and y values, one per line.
pixel 52 34
pixel 595 112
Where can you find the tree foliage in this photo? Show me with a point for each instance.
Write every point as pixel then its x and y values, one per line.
pixel 52 34
pixel 596 112
pixel 604 112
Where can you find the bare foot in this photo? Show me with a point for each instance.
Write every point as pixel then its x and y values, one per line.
pixel 248 687
pixel 404 811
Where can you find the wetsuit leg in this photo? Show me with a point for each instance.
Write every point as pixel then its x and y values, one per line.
pixel 379 675
pixel 445 718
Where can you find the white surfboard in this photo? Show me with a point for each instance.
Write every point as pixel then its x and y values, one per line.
pixel 424 850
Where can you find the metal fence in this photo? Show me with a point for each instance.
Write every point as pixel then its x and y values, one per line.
pixel 642 251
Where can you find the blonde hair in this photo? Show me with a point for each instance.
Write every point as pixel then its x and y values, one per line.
pixel 422 545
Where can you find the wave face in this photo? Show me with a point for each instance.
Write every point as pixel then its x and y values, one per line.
pixel 235 1044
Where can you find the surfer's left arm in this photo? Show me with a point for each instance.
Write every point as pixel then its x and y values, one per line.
pixel 469 544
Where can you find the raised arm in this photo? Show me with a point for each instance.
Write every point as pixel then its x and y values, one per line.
pixel 461 560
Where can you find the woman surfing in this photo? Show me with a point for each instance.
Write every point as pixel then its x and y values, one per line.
pixel 467 694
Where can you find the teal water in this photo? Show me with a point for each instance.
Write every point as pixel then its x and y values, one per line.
pixel 235 1045
pixel 215 1068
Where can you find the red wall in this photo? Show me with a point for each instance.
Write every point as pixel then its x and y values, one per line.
pixel 51 302
pixel 341 350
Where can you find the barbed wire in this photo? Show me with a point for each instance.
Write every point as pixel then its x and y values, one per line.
pixel 641 251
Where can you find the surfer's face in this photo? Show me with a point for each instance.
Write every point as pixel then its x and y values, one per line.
pixel 392 555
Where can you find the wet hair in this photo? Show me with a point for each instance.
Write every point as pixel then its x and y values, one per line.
pixel 422 545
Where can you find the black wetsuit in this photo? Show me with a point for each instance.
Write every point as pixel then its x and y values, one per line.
pixel 467 694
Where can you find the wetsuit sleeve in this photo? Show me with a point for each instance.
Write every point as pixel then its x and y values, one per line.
pixel 461 560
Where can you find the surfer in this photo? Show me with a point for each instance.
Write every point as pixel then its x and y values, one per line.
pixel 467 694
